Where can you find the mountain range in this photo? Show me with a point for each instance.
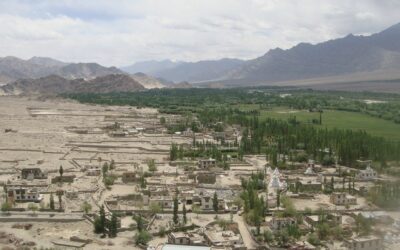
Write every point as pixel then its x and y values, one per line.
pixel 13 68
pixel 186 71
pixel 54 84
pixel 348 59
pixel 352 62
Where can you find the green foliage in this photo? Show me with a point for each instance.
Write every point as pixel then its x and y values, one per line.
pixel 102 220
pixel 346 118
pixel 86 207
pixel 215 202
pixel 175 215
pixel 51 203
pixel 98 226
pixel 162 231
pixel 254 206
pixel 113 227
pixel 162 120
pixel 139 222
pixel 105 168
pixel 155 208
pixel 222 223
pixel 5 207
pixel 142 238
pixel 152 165
pixel 313 239
pixel 363 225
pixel 109 180
pixel 385 194
pixel 173 153
pixel 184 214
pixel 61 171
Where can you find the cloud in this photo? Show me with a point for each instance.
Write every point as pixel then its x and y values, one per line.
pixel 120 32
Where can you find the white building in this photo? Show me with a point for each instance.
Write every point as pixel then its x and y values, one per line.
pixel 309 171
pixel 367 174
pixel 23 194
pixel 364 243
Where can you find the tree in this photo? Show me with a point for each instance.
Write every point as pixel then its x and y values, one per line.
pixel 152 165
pixel 113 226
pixel 33 207
pixel 97 225
pixel 222 223
pixel 196 210
pixel 215 202
pixel 139 222
pixel 363 225
pixel 102 216
pixel 61 171
pixel 155 208
pixel 86 207
pixel 105 169
pixel 184 214
pixel 278 198
pixel 142 181
pixel 112 164
pixel 51 203
pixel 142 238
pixel 175 216
pixel 173 153
pixel 5 207
pixel 60 193
pixel 162 120
pixel 313 239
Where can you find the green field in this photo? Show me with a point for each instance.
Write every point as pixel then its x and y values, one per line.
pixel 336 119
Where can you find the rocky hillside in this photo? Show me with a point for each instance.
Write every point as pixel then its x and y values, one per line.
pixel 340 57
pixel 13 68
pixel 147 81
pixel 54 84
pixel 187 71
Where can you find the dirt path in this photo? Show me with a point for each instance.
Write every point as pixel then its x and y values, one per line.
pixel 247 239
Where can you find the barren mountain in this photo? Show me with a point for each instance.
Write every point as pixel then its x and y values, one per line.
pixel 187 71
pixel 345 56
pixel 348 59
pixel 147 81
pixel 54 84
pixel 13 68
pixel 150 67
pixel 86 71
pixel 181 85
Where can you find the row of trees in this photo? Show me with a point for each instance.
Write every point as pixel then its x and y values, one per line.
pixel 103 226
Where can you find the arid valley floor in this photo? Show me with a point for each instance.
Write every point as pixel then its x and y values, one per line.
pixel 48 133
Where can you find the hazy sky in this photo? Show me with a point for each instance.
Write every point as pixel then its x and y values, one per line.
pixel 118 32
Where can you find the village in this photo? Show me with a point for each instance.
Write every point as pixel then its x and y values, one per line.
pixel 79 176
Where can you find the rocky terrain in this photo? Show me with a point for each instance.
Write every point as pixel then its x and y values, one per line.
pixel 54 84
pixel 13 68
pixel 348 59
pixel 147 81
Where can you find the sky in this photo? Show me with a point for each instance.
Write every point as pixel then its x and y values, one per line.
pixel 121 32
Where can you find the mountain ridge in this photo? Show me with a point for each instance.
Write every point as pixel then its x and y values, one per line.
pixel 54 84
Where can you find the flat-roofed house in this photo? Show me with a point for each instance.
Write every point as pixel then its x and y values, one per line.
pixel 366 174
pixel 33 173
pixel 186 238
pixel 129 176
pixel 224 239
pixel 24 194
pixel 278 223
pixel 342 199
pixel 207 163
pixel 364 243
